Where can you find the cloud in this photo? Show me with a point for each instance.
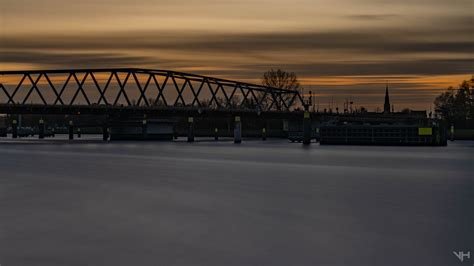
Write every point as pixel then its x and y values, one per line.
pixel 246 71
pixel 446 37
pixel 380 41
pixel 72 60
pixel 373 17
pixel 444 47
pixel 409 67
pixel 441 48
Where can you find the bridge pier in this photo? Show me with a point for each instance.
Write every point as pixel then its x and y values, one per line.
pixel 41 129
pixel 190 129
pixel 71 130
pixel 306 128
pixel 237 130
pixel 144 129
pixel 451 133
pixel 105 133
pixel 14 129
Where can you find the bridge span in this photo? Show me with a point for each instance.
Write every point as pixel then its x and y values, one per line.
pixel 117 95
pixel 137 91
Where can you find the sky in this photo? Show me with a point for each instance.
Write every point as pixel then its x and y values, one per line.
pixel 339 49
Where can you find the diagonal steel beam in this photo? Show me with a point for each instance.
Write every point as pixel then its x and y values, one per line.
pixel 18 88
pixel 196 98
pixel 80 88
pixel 142 91
pixel 180 91
pixel 10 99
pixel 245 101
pixel 160 90
pixel 34 87
pixel 53 87
pixel 227 99
pixel 195 94
pixel 122 89
pixel 213 98
pixel 233 93
pixel 101 92
pixel 58 98
pixel 290 103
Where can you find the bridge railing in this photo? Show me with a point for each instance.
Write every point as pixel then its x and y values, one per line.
pixel 139 87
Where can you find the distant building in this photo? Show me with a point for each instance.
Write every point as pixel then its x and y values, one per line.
pixel 386 105
pixel 388 109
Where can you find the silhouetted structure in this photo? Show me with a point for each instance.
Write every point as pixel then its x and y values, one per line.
pixel 386 105
pixel 128 89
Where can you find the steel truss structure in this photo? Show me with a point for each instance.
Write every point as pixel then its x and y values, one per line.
pixel 202 92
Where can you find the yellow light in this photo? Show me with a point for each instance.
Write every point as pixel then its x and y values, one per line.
pixel 425 131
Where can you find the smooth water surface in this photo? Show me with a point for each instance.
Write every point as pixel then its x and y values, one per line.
pixel 218 203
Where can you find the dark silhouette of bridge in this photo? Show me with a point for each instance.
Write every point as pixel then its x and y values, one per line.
pixel 135 100
pixel 133 90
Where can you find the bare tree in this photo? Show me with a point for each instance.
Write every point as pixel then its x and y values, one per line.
pixel 456 105
pixel 281 80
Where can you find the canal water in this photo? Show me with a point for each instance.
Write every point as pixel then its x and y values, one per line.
pixel 218 203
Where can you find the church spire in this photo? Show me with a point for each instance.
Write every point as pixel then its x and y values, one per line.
pixel 386 105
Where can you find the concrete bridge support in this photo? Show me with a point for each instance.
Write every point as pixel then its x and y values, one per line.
pixel 144 129
pixel 105 133
pixel 237 130
pixel 190 129
pixel 71 130
pixel 306 128
pixel 14 129
pixel 451 131
pixel 41 129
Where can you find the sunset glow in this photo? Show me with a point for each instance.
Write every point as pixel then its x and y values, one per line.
pixel 339 49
